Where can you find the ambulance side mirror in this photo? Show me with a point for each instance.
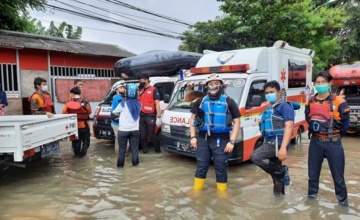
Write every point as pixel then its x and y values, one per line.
pixel 256 101
pixel 166 98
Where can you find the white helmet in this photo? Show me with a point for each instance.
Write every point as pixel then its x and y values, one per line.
pixel 119 84
pixel 214 77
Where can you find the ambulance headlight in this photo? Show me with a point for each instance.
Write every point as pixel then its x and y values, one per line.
pixel 165 128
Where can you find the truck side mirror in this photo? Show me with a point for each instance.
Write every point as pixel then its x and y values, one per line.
pixel 166 98
pixel 256 101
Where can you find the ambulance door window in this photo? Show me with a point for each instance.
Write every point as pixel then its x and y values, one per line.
pixel 297 74
pixel 256 88
pixel 164 88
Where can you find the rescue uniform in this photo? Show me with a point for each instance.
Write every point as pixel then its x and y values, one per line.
pixel 83 113
pixel 40 103
pixel 272 127
pixel 213 145
pixel 326 143
pixel 147 99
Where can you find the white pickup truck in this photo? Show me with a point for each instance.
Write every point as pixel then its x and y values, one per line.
pixel 23 137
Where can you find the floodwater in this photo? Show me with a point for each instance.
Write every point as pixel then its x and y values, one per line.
pixel 63 187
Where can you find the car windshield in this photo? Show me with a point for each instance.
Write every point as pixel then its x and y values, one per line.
pixel 186 92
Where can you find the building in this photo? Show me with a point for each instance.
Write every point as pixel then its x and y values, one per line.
pixel 26 56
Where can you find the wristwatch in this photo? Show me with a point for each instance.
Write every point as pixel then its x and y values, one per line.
pixel 232 142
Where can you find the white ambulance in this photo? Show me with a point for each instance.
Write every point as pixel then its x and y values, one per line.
pixel 244 72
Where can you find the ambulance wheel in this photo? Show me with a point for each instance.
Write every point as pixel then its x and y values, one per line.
pixel 258 144
pixel 297 139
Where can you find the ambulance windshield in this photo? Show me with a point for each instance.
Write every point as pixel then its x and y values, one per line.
pixel 186 92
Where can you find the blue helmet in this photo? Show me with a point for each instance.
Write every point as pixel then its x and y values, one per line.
pixel 131 91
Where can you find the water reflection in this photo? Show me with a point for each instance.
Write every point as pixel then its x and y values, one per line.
pixel 63 187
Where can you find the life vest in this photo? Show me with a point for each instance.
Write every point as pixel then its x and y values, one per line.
pixel 147 100
pixel 76 108
pixel 273 125
pixel 322 115
pixel 45 102
pixel 217 117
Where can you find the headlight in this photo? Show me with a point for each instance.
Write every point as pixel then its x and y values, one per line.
pixel 165 128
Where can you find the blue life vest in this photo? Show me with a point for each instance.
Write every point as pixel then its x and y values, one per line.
pixel 215 115
pixel 273 125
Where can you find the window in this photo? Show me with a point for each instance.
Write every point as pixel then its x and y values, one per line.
pixel 81 72
pixel 297 74
pixel 164 88
pixel 256 88
pixel 8 77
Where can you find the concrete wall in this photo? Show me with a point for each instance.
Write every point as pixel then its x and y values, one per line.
pixel 14 107
pixel 27 81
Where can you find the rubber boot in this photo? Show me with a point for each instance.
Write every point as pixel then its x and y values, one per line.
pixel 222 190
pixel 199 183
pixel 279 188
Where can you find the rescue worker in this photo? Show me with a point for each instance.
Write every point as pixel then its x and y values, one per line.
pixel 276 126
pixel 129 109
pixel 215 115
pixel 150 110
pixel 40 100
pixel 77 83
pixel 3 101
pixel 117 98
pixel 80 107
pixel 328 117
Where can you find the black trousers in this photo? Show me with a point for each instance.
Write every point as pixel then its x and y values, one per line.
pixel 133 138
pixel 147 129
pixel 334 153
pixel 81 145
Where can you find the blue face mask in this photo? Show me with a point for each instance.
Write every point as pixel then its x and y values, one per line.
pixel 271 97
pixel 322 89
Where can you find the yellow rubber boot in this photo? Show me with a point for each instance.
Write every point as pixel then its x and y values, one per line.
pixel 199 183
pixel 222 190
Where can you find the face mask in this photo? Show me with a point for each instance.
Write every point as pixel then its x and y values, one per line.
pixel 271 97
pixel 141 85
pixel 322 89
pixel 44 88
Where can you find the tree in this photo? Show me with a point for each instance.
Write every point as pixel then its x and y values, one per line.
pixel 64 31
pixel 253 23
pixel 12 10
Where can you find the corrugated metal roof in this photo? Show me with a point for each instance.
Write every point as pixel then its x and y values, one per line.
pixel 23 40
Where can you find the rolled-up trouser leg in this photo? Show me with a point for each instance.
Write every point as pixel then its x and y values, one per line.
pixel 315 160
pixel 220 158
pixel 203 158
pixel 334 153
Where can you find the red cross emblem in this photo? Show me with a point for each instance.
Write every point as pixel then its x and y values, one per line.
pixel 283 75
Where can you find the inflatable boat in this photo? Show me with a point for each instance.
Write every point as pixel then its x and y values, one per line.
pixel 155 63
pixel 346 74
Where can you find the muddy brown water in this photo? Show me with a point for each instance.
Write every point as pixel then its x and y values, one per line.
pixel 64 187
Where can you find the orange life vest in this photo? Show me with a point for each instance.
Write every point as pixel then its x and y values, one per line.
pixel 147 100
pixel 45 102
pixel 75 107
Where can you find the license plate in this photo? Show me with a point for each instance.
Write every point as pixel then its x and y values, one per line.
pixel 184 147
pixel 50 148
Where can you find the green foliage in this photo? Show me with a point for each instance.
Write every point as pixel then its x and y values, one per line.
pixel 11 12
pixel 254 23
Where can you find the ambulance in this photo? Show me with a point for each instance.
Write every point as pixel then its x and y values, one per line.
pixel 244 71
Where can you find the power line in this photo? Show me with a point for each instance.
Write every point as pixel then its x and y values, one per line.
pixel 148 12
pixel 109 21
pixel 109 11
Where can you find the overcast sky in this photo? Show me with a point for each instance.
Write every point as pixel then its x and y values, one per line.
pixel 190 11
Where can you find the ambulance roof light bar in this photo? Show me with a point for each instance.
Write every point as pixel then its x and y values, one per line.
pixel 220 69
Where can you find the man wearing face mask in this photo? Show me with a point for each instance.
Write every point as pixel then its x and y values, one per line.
pixel 150 110
pixel 77 83
pixel 117 98
pixel 40 100
pixel 276 126
pixel 328 117
pixel 219 114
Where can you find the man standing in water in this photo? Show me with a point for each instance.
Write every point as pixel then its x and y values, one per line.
pixel 276 126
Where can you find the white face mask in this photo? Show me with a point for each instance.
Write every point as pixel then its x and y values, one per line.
pixel 44 88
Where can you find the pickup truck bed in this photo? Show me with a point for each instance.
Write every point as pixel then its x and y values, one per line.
pixel 24 132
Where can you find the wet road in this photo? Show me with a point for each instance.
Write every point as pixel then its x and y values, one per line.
pixel 63 187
